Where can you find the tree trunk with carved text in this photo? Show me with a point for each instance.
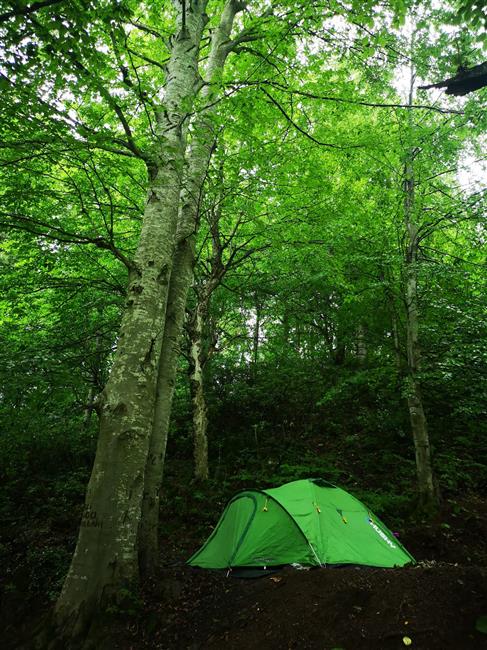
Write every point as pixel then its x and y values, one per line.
pixel 106 556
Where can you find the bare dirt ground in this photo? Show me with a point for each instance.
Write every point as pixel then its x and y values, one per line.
pixel 434 605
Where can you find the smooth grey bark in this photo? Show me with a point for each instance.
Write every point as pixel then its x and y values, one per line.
pixel 198 359
pixel 198 158
pixel 201 346
pixel 428 498
pixel 182 277
pixel 106 555
pixel 201 328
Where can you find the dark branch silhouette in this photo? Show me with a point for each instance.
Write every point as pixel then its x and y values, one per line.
pixel 467 80
pixel 19 10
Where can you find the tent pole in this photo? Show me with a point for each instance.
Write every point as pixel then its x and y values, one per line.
pixel 315 554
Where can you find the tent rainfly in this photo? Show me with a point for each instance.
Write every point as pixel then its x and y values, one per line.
pixel 309 522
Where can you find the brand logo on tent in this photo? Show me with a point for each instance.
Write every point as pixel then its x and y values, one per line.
pixel 381 533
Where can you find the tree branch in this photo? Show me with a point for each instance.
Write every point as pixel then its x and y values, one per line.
pixel 330 98
pixel 34 226
pixel 305 133
pixel 30 9
pixel 100 86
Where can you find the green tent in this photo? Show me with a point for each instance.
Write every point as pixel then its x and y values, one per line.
pixel 309 522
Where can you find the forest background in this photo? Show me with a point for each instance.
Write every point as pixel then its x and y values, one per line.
pixel 303 235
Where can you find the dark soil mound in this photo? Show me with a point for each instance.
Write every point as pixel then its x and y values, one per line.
pixel 436 606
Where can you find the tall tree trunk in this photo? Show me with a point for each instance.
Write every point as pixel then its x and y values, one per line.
pixel 89 406
pixel 106 555
pixel 200 419
pixel 395 342
pixel 256 336
pixel 203 141
pixel 202 344
pixel 96 383
pixel 387 280
pixel 428 498
pixel 181 279
pixel 202 339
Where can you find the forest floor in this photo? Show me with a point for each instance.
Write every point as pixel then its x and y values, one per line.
pixel 436 604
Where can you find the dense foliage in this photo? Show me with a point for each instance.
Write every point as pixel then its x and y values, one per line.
pixel 300 310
